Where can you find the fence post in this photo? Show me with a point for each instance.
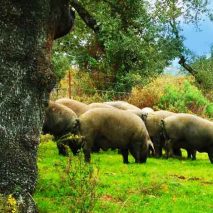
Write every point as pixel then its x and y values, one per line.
pixel 69 84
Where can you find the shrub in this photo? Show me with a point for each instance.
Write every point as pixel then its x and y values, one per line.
pixel 81 178
pixel 209 110
pixel 8 204
pixel 149 95
pixel 46 138
pixel 177 94
pixel 185 98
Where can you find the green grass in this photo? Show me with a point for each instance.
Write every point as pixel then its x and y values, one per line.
pixel 160 185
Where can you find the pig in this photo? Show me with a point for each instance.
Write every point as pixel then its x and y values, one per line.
pixel 152 122
pixel 141 112
pixel 146 110
pixel 99 105
pixel 77 106
pixel 137 112
pixel 122 105
pixel 189 132
pixel 59 121
pixel 114 128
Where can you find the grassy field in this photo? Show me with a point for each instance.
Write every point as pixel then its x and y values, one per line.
pixel 160 185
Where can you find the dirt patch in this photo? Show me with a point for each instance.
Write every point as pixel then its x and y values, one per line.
pixel 194 178
pixel 110 198
pixel 201 180
pixel 207 182
pixel 179 177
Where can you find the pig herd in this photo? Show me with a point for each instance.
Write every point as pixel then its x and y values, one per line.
pixel 123 126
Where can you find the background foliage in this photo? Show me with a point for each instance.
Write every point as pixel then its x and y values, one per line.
pixel 133 38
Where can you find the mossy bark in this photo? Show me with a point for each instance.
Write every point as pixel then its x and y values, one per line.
pixel 27 30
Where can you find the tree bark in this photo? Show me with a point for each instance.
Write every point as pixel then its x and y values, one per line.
pixel 27 30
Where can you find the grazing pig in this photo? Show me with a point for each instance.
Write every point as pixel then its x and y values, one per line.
pixel 137 112
pixel 147 110
pixel 152 122
pixel 141 112
pixel 77 106
pixel 113 128
pixel 122 105
pixel 99 105
pixel 190 132
pixel 59 121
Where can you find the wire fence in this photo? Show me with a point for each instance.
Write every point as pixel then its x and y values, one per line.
pixel 72 88
pixel 74 92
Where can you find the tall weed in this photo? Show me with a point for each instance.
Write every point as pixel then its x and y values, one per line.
pixel 81 179
pixel 8 204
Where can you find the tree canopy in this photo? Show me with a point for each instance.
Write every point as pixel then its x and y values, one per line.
pixel 126 38
pixel 203 67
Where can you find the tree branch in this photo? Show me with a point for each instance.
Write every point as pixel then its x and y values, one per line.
pixel 183 63
pixel 88 19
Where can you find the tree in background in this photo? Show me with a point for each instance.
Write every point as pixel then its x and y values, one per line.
pixel 27 30
pixel 128 38
pixel 203 71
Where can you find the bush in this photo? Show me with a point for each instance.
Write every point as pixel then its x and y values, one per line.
pixel 185 98
pixel 46 138
pixel 182 98
pixel 209 110
pixel 149 95
pixel 177 94
pixel 8 204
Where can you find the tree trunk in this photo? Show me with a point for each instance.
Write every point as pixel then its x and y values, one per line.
pixel 187 67
pixel 27 30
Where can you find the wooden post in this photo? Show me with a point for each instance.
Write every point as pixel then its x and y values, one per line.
pixel 69 84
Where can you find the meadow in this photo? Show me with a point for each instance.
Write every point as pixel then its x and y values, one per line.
pixel 67 184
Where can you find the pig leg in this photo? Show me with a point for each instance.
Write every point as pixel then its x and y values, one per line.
pixel 168 148
pixel 87 148
pixel 177 152
pixel 62 150
pixel 189 154
pixel 158 147
pixel 138 153
pixel 74 150
pixel 143 158
pixel 87 155
pixel 210 154
pixel 88 142
pixel 193 154
pixel 124 153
